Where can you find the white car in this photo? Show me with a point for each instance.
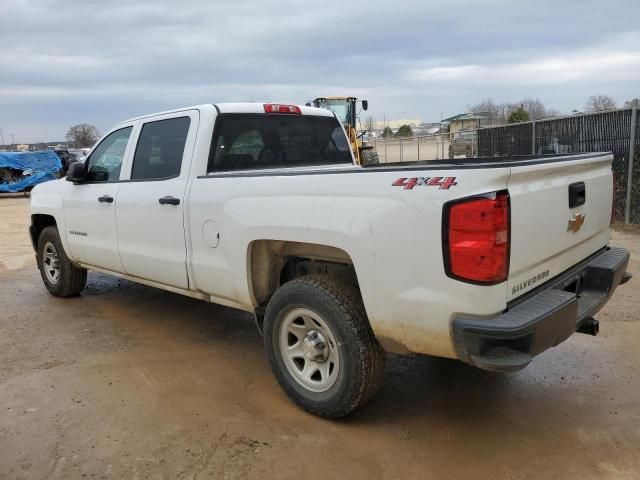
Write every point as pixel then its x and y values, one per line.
pixel 261 207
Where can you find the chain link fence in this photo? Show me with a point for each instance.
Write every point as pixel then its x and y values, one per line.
pixel 409 149
pixel 597 132
pixel 425 147
pixel 608 131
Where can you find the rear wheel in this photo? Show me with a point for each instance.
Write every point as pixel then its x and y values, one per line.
pixel 321 347
pixel 60 276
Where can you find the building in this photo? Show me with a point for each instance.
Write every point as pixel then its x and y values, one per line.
pixel 396 124
pixel 463 121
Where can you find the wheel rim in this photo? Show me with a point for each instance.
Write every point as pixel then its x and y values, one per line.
pixel 51 263
pixel 309 350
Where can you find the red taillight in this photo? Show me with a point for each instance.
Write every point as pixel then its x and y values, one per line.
pixel 477 238
pixel 279 108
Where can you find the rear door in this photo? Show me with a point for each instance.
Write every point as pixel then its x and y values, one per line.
pixel 150 206
pixel 551 228
pixel 89 207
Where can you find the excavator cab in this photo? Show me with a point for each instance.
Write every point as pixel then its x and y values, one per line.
pixel 345 108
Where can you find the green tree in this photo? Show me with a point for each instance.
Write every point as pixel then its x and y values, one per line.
pixel 519 115
pixel 404 131
pixel 387 132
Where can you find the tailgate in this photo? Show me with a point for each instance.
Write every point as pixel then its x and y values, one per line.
pixel 547 236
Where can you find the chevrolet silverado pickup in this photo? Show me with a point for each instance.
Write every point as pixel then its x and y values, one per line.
pixel 262 207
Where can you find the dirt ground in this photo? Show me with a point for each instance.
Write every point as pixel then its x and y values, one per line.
pixel 130 382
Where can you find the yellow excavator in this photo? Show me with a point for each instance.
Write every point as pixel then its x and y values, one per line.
pixel 345 109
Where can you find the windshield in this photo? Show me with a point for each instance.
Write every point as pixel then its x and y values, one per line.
pixel 252 141
pixel 342 109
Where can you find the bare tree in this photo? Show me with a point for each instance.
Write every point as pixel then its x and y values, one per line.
pixel 499 113
pixel 368 124
pixel 628 104
pixel 600 103
pixel 493 113
pixel 552 112
pixel 536 109
pixel 83 135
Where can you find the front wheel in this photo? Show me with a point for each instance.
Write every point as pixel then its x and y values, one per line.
pixel 370 157
pixel 60 276
pixel 321 347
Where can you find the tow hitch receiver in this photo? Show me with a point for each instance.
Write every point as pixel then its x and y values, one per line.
pixel 590 327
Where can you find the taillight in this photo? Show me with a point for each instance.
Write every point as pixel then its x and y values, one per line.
pixel 279 108
pixel 476 238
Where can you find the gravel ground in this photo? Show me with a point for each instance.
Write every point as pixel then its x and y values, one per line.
pixel 127 381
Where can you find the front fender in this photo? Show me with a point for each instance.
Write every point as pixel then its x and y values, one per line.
pixel 47 199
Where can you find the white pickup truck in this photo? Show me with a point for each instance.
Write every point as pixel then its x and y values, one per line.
pixel 261 207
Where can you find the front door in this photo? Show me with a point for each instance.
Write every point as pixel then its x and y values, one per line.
pixel 90 207
pixel 150 208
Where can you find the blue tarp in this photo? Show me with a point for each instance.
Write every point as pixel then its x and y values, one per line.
pixel 39 166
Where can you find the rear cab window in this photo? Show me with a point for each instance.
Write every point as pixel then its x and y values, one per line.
pixel 260 141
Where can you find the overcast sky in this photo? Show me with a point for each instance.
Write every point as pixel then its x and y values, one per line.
pixel 100 61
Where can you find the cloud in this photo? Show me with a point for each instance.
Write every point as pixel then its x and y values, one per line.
pixel 614 63
pixel 64 62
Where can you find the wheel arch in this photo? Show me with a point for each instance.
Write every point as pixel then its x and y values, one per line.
pixel 271 263
pixel 40 221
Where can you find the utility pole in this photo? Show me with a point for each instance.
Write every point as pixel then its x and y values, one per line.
pixel 441 136
pixel 384 122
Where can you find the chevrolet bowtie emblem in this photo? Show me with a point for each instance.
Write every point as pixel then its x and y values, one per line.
pixel 576 222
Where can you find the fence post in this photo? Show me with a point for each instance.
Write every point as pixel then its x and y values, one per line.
pixel 533 138
pixel 632 151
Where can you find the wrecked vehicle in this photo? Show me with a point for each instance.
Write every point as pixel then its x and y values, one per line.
pixel 20 171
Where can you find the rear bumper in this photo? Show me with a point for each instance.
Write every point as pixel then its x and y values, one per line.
pixel 543 318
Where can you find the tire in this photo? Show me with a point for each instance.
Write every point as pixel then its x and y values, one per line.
pixel 334 310
pixel 69 279
pixel 370 157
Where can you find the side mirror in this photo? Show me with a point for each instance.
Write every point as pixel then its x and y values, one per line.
pixel 365 104
pixel 76 173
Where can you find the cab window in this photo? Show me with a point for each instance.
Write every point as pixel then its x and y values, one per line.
pixel 160 148
pixel 256 141
pixel 106 160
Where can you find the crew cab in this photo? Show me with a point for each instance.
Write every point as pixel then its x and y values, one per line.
pixel 262 207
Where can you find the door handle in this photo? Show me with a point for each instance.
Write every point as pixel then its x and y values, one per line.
pixel 168 200
pixel 105 199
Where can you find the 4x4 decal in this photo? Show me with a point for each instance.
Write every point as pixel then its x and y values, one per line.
pixel 443 182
